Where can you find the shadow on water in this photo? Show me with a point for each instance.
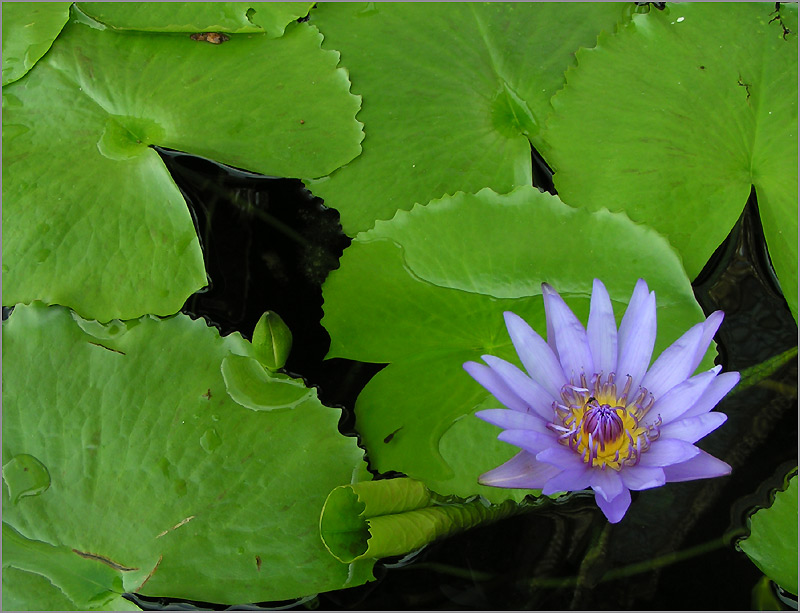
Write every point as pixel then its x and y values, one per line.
pixel 269 244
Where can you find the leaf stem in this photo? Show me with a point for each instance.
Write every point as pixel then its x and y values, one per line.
pixel 638 567
pixel 757 373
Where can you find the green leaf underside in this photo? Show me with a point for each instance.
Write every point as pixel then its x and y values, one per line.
pixel 695 118
pixel 231 17
pixel 29 28
pixel 161 470
pixel 404 295
pixel 343 522
pixel 453 107
pixel 92 218
pixel 390 517
pixel 772 544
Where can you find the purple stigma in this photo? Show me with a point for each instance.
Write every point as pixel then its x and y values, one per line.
pixel 602 423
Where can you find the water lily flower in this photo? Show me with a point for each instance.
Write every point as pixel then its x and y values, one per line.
pixel 589 412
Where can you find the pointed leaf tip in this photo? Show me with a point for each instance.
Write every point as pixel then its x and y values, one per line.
pixel 272 341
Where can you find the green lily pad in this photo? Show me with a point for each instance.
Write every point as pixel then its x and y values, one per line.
pixel 696 118
pixel 92 217
pixel 173 488
pixel 81 582
pixel 233 17
pixel 29 29
pixel 772 544
pixel 426 292
pixel 454 106
pixel 24 591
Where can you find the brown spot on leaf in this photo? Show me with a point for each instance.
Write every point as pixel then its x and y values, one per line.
pixel 109 348
pixel 104 560
pixel 178 525
pixel 146 579
pixel 215 38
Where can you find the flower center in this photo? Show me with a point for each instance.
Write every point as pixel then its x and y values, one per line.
pixel 603 426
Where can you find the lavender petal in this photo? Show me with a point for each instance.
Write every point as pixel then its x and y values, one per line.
pixel 680 359
pixel 614 510
pixel 530 441
pixel 513 420
pixel 522 471
pixel 668 451
pixel 676 401
pixel 601 330
pixel 692 429
pixel 607 483
pixel 537 357
pixel 713 394
pixel 570 336
pixel 710 328
pixel 495 385
pixel 637 335
pixel 571 480
pixel 702 466
pixel 674 363
pixel 642 477
pixel 534 395
pixel 561 456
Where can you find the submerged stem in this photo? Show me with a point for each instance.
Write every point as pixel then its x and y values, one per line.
pixel 638 567
pixel 757 373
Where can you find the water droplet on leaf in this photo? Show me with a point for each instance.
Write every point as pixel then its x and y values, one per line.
pixel 25 476
pixel 210 440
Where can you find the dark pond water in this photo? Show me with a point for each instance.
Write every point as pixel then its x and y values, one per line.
pixel 269 245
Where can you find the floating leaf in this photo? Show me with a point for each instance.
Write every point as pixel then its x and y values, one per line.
pixel 234 17
pixel 453 107
pixel 772 544
pixel 29 28
pixel 173 489
pixel 24 591
pixel 250 385
pixel 377 519
pixel 425 293
pixel 696 118
pixel 82 581
pixel 92 218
